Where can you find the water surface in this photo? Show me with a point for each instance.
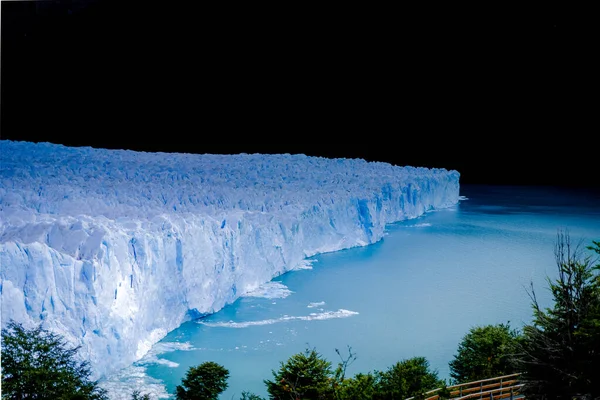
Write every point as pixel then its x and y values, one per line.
pixel 415 293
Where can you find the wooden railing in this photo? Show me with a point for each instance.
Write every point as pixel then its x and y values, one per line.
pixel 501 387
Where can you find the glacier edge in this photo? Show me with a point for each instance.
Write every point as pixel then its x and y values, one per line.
pixel 113 248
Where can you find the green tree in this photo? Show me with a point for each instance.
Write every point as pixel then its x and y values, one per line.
pixel 560 352
pixel 485 352
pixel 203 382
pixel 406 378
pixel 360 387
pixel 39 364
pixel 304 375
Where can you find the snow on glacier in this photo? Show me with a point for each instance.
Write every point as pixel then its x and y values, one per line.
pixel 115 248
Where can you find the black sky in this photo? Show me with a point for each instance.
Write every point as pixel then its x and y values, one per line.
pixel 501 99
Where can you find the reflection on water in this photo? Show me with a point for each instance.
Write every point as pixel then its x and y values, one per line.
pixel 415 293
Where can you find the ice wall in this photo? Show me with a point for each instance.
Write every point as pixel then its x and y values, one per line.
pixel 114 248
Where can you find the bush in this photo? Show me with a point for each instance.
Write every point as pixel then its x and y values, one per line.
pixel 405 379
pixel 204 382
pixel 304 375
pixel 485 352
pixel 361 386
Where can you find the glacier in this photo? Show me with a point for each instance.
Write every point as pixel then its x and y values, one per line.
pixel 115 248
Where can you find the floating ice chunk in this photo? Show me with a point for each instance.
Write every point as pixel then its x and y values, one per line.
pixel 270 290
pixel 341 313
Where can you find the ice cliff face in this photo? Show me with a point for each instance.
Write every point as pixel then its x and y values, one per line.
pixel 113 248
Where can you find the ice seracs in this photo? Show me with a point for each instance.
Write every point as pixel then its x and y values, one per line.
pixel 115 248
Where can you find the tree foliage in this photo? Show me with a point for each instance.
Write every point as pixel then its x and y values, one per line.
pixel 304 375
pixel 560 352
pixel 39 364
pixel 309 376
pixel 361 386
pixel 203 382
pixel 407 378
pixel 485 352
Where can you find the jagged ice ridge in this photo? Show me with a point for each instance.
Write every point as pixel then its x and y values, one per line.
pixel 115 248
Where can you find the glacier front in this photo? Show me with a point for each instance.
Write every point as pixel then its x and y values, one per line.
pixel 115 248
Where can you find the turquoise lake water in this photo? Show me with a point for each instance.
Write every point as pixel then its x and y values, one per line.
pixel 415 293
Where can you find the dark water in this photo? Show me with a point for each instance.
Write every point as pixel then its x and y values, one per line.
pixel 415 293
